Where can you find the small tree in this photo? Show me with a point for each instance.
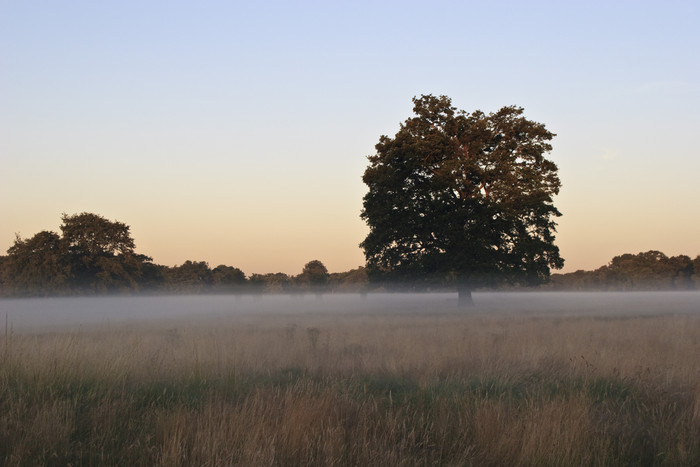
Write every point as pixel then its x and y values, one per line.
pixel 314 276
pixel 461 198
pixel 227 278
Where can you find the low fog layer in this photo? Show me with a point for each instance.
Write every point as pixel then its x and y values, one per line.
pixel 52 312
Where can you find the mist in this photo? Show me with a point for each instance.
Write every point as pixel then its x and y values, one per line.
pixel 71 312
pixel 522 378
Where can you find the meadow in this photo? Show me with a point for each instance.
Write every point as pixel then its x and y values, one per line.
pixel 439 386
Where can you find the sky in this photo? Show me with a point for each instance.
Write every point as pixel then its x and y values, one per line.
pixel 237 132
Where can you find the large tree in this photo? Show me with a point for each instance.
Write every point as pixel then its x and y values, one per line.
pixel 461 198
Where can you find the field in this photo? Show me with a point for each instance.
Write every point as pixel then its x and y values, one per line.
pixel 431 387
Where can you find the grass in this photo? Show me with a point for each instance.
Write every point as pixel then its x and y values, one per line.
pixel 404 389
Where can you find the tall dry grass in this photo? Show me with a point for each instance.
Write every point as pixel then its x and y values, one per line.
pixel 410 389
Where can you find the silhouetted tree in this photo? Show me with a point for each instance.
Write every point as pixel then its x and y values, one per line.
pixel 650 270
pixel 464 198
pixel 92 235
pixel 190 277
pixel 227 278
pixel 696 272
pixel 276 282
pixel 354 280
pixel 314 276
pixel 100 254
pixel 3 266
pixel 578 280
pixel 152 278
pixel 35 266
pixel 681 267
pixel 92 255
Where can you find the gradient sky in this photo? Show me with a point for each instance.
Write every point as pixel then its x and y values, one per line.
pixel 237 133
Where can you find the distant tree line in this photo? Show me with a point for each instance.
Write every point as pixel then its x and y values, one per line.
pixel 93 255
pixel 651 270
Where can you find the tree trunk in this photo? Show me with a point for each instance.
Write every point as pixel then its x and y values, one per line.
pixel 464 293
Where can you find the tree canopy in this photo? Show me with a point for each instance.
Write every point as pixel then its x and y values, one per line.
pixel 650 270
pixel 99 257
pixel 314 275
pixel 35 265
pixel 92 255
pixel 100 253
pixel 465 198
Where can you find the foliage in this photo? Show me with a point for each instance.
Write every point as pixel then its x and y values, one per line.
pixel 651 270
pixel 314 276
pixel 190 277
pixel 92 235
pixel 272 282
pixel 94 255
pixel 227 278
pixel 99 254
pixel 463 198
pixel 35 266
pixel 354 280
